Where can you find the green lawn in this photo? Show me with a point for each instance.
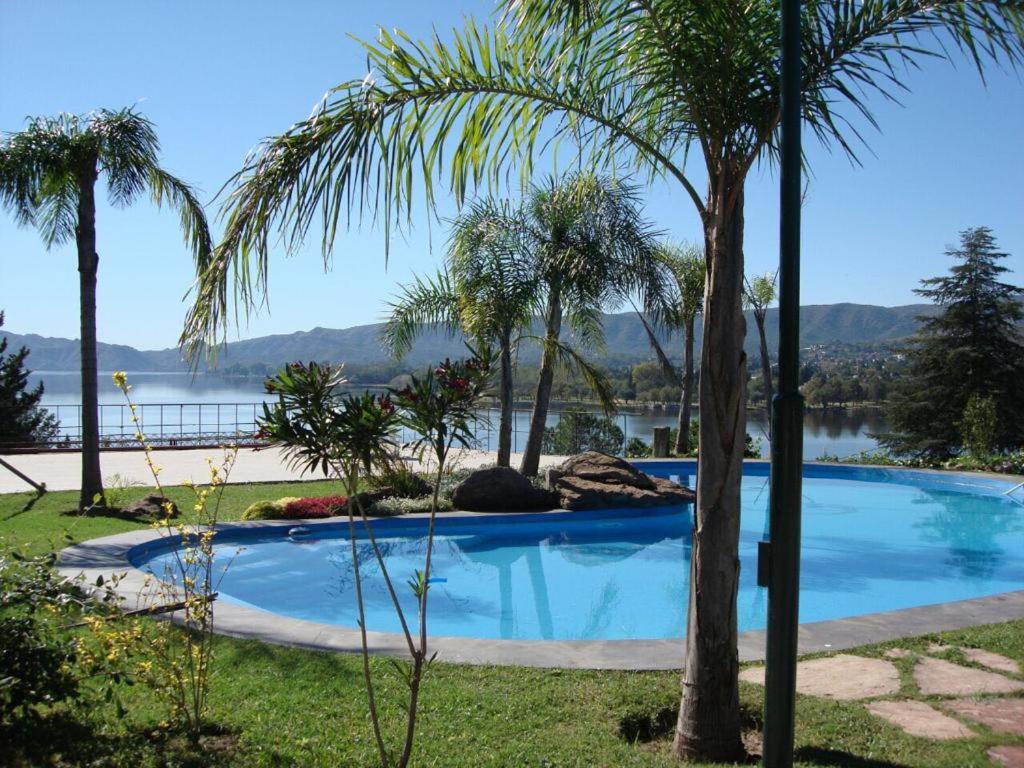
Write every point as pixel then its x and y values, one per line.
pixel 290 707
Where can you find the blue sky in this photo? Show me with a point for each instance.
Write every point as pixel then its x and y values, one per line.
pixel 216 77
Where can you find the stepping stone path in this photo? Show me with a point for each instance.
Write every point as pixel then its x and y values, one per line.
pixel 920 719
pixel 846 677
pixel 1008 757
pixel 1005 715
pixel 843 677
pixel 938 677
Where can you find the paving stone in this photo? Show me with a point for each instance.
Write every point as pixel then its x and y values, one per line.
pixel 935 676
pixel 939 648
pixel 1008 757
pixel 1005 715
pixel 842 676
pixel 920 719
pixel 898 653
pixel 992 660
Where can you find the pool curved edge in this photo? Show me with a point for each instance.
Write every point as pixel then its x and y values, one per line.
pixel 111 555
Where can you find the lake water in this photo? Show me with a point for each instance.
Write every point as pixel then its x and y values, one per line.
pixel 176 403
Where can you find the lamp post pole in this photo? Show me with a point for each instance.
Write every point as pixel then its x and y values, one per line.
pixel 779 562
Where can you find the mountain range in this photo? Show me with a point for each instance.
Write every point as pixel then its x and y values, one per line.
pixel 625 341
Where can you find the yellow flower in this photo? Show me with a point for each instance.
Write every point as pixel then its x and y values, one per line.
pixel 121 380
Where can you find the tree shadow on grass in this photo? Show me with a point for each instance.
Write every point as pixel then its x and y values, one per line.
pixel 838 759
pixel 59 738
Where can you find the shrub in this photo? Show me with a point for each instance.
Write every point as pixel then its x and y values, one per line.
pixel 264 510
pixel 636 448
pixel 314 507
pixel 401 481
pixel 37 666
pixel 579 431
pixel 979 426
pixel 398 506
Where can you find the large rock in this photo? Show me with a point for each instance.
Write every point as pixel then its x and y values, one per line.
pixel 500 489
pixel 594 480
pixel 149 507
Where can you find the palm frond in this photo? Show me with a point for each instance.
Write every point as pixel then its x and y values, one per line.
pixel 426 302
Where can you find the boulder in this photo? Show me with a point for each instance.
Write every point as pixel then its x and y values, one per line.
pixel 149 507
pixel 594 480
pixel 500 489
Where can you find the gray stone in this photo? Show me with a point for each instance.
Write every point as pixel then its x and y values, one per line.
pixel 594 480
pixel 1004 715
pixel 149 507
pixel 992 660
pixel 938 677
pixel 844 677
pixel 500 489
pixel 919 719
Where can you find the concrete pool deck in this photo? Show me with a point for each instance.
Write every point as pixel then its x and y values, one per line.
pixel 62 470
pixel 110 555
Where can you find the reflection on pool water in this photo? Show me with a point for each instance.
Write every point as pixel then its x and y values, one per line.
pixel 874 540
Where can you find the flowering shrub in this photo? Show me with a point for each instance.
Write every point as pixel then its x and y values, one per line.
pixel 315 506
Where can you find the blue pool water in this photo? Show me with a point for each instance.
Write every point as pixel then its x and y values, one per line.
pixel 873 540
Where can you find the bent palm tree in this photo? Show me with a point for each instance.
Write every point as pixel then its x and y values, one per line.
pixel 48 175
pixel 490 292
pixel 628 80
pixel 685 265
pixel 592 250
pixel 758 295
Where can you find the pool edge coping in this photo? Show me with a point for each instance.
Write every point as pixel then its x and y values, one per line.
pixel 109 555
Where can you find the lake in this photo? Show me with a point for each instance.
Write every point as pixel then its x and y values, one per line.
pixel 177 403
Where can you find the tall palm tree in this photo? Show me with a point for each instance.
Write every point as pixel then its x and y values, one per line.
pixel 48 175
pixel 758 295
pixel 490 292
pixel 685 265
pixel 652 82
pixel 593 250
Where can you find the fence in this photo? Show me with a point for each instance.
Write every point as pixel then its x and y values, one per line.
pixel 190 425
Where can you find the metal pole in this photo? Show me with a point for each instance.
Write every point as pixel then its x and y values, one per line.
pixel 780 568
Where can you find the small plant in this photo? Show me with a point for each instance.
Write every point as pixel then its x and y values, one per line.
pixel 979 426
pixel 349 436
pixel 41 661
pixel 116 489
pixel 181 662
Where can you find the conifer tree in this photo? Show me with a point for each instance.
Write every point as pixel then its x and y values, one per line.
pixel 972 348
pixel 22 421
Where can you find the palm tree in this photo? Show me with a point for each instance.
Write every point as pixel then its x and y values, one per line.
pixel 48 175
pixel 758 295
pixel 647 82
pixel 490 292
pixel 593 250
pixel 685 265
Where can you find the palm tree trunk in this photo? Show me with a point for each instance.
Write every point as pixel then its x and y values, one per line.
pixel 88 264
pixel 682 446
pixel 538 420
pixel 766 372
pixel 506 397
pixel 709 716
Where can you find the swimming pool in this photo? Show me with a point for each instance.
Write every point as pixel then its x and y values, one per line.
pixel 875 539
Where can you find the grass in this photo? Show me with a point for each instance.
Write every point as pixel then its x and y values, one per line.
pixel 289 707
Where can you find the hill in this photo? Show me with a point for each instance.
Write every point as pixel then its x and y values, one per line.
pixel 625 341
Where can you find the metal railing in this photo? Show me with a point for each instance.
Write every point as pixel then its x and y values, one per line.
pixel 193 425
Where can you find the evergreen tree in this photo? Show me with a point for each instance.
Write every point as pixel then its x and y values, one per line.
pixel 22 421
pixel 971 349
